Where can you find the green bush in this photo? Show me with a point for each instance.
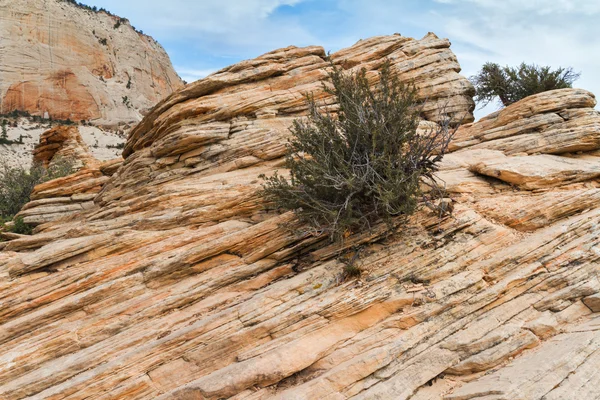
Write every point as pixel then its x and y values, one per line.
pixel 513 84
pixel 17 183
pixel 21 227
pixel 364 165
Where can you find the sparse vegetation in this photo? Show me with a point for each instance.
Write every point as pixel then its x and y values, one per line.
pixel 16 114
pixel 4 131
pixel 513 84
pixel 103 41
pixel 126 101
pixel 128 86
pixel 119 22
pixel 364 165
pixel 19 226
pixel 17 183
pixel 118 146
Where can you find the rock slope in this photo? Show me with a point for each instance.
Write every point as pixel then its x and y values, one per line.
pixel 66 62
pixel 177 284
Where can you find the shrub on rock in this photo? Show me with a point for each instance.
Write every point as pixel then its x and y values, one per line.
pixel 514 84
pixel 364 165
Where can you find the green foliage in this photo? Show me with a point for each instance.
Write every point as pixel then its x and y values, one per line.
pixel 103 41
pixel 15 114
pixel 126 101
pixel 117 146
pixel 128 86
pixel 4 136
pixel 363 166
pixel 17 183
pixel 513 84
pixel 4 131
pixel 19 226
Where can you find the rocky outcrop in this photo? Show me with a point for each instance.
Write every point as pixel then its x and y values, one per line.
pixel 177 283
pixel 69 195
pixel 63 142
pixel 67 62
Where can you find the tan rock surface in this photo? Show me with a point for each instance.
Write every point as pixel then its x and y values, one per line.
pixel 63 142
pixel 177 284
pixel 69 195
pixel 54 60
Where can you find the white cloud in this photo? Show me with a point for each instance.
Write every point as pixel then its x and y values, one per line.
pixel 538 6
pixel 191 75
pixel 232 24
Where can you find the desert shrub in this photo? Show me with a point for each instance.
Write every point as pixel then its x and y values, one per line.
pixel 364 165
pixel 513 84
pixel 19 226
pixel 17 183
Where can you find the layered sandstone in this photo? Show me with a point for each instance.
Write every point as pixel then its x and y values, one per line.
pixel 177 283
pixel 69 195
pixel 63 142
pixel 66 62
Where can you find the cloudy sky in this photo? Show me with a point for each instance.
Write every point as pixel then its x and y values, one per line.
pixel 202 36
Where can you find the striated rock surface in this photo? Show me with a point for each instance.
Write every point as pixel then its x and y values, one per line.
pixel 63 197
pixel 66 62
pixel 177 284
pixel 63 142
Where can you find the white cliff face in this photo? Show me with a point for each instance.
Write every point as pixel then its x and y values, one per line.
pixel 69 62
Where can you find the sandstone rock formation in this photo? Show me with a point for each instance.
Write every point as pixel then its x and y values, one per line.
pixel 71 63
pixel 176 283
pixel 69 195
pixel 63 142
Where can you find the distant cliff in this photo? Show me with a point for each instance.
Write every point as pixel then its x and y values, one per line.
pixel 74 63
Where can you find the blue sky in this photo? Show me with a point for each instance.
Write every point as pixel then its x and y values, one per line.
pixel 203 36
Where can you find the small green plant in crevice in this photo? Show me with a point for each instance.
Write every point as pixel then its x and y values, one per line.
pixel 352 271
pixel 363 166
pixel 128 86
pixel 350 260
pixel 126 101
pixel 19 226
pixel 103 41
pixel 511 84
